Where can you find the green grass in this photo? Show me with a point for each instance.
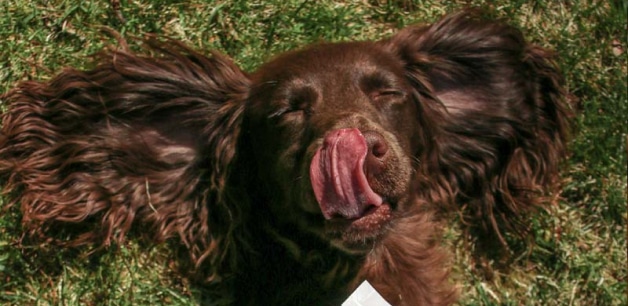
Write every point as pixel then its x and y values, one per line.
pixel 580 253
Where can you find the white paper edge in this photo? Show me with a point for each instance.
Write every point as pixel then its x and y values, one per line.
pixel 365 295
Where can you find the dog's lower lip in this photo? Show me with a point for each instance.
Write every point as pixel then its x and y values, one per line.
pixel 370 222
pixel 359 235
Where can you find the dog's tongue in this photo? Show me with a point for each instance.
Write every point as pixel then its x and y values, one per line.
pixel 337 175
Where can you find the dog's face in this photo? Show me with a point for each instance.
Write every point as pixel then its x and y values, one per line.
pixel 338 128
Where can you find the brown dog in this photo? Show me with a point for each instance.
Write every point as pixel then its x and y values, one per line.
pixel 325 167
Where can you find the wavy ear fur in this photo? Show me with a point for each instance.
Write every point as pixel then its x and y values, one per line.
pixel 125 143
pixel 503 121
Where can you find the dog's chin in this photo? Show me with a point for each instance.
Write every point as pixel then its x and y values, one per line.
pixel 359 235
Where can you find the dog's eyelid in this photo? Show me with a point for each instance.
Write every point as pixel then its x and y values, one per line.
pixel 387 93
pixel 392 92
pixel 278 113
pixel 297 100
pixel 289 108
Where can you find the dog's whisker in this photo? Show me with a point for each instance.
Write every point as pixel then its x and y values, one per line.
pixel 148 196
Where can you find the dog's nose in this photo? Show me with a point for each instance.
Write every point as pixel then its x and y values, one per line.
pixel 377 151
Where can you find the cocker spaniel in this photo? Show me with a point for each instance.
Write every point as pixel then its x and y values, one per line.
pixel 327 166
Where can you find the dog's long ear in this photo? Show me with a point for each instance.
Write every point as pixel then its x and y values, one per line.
pixel 503 120
pixel 141 138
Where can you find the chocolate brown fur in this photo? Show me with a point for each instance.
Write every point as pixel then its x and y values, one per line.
pixel 200 152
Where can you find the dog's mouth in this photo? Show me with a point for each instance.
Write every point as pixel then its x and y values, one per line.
pixel 353 211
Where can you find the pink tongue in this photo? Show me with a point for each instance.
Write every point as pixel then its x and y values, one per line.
pixel 337 175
